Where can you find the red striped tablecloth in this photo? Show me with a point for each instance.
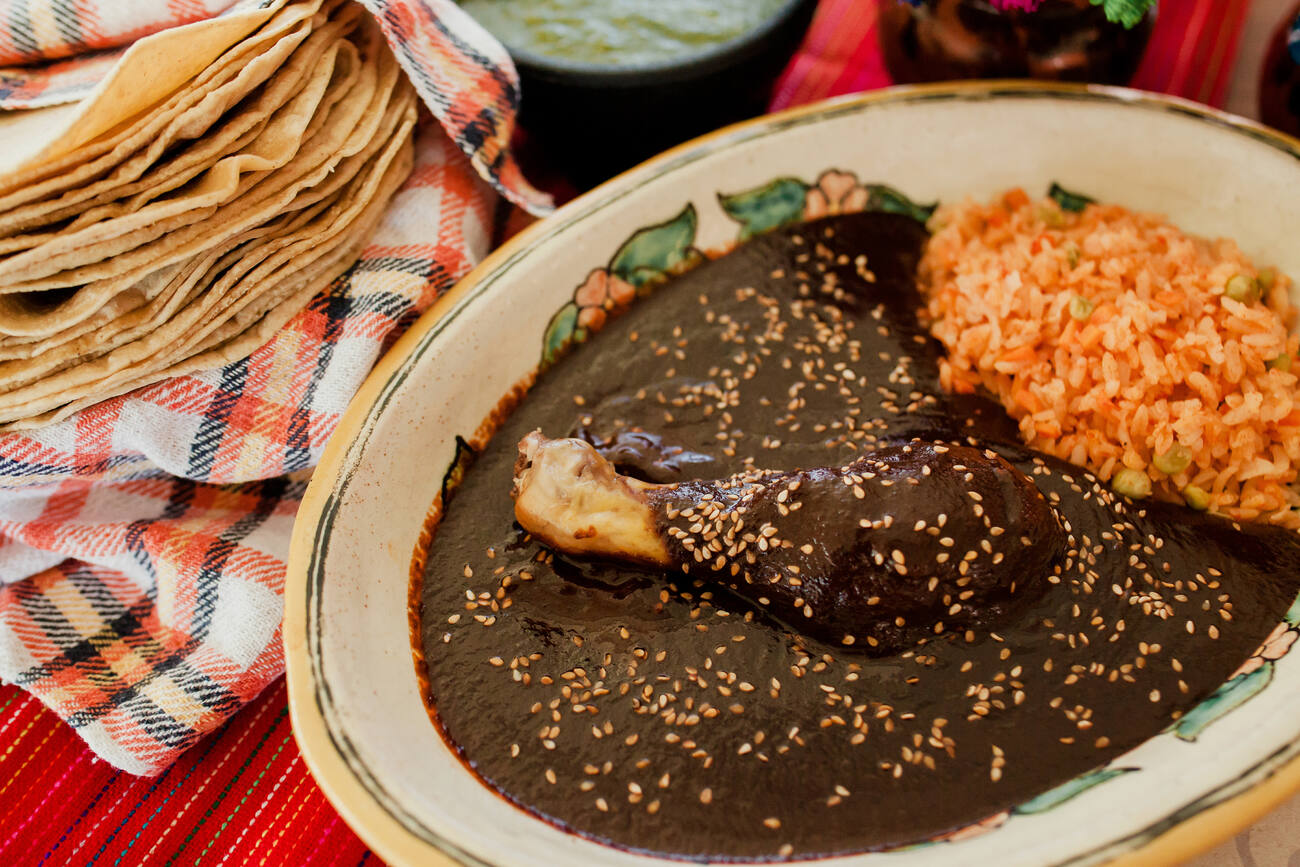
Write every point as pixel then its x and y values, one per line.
pixel 244 796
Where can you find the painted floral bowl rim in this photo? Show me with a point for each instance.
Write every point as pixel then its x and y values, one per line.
pixel 347 748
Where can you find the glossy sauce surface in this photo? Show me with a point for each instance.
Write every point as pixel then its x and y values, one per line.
pixel 663 714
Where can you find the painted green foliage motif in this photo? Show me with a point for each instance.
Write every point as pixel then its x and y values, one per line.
pixel 655 252
pixel 1072 788
pixel 652 253
pixel 560 332
pixel 649 256
pixel 790 200
pixel 1231 695
pixel 1069 201
pixel 768 207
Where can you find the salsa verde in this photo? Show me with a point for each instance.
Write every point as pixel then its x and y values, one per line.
pixel 619 32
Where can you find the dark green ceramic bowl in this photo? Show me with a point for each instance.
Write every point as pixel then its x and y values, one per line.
pixel 590 121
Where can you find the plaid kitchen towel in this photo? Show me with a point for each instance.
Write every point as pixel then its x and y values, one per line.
pixel 37 30
pixel 143 540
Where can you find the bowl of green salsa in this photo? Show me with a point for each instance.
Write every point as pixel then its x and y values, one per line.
pixel 608 83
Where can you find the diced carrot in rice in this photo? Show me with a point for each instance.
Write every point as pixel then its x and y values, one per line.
pixel 1015 198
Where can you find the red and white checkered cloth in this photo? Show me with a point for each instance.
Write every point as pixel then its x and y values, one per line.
pixel 143 540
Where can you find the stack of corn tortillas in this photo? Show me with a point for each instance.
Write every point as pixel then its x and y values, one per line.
pixel 181 235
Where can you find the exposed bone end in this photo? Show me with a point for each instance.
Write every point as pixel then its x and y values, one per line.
pixel 571 498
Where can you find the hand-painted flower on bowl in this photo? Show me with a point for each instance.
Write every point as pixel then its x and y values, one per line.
pixel 835 193
pixel 1276 646
pixel 602 293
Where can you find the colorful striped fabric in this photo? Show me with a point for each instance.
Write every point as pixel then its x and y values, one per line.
pixel 143 540
pixel 39 30
pixel 243 795
pixel 1198 63
pixel 54 83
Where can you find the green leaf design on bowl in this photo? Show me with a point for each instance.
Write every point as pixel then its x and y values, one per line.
pixel 777 203
pixel 787 200
pixel 1226 698
pixel 560 333
pixel 887 199
pixel 1069 201
pixel 1055 797
pixel 656 251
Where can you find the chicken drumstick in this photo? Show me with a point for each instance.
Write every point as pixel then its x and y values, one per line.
pixel 907 540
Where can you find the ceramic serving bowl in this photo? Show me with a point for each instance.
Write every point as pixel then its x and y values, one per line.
pixel 356 707
pixel 590 121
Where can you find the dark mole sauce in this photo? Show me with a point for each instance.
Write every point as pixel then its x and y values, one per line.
pixel 662 715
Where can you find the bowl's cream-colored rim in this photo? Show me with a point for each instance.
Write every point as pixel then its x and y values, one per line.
pixel 1207 822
